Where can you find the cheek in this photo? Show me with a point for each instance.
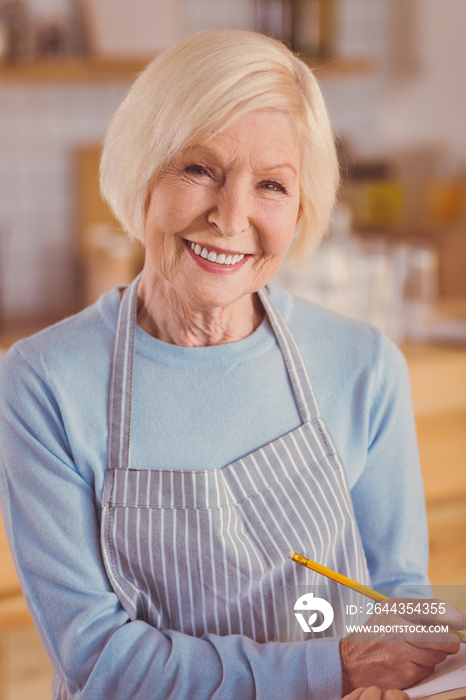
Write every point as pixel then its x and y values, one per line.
pixel 171 209
pixel 278 232
pixel 162 214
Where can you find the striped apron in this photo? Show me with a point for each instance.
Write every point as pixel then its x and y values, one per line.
pixel 206 551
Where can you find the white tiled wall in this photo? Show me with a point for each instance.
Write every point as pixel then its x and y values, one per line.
pixel 40 128
pixel 41 125
pixel 211 14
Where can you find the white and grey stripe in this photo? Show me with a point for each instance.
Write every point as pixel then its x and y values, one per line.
pixel 206 551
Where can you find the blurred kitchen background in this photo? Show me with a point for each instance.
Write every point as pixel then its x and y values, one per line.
pixel 392 74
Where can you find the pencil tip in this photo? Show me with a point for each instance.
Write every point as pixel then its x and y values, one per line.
pixel 290 554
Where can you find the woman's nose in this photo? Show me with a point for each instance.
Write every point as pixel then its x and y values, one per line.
pixel 231 211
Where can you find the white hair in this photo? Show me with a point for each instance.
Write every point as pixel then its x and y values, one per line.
pixel 193 91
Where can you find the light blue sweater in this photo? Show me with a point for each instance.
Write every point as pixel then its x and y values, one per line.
pixel 193 408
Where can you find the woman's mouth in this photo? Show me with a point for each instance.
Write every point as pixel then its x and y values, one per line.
pixel 212 256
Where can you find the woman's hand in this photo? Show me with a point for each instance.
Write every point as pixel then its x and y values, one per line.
pixel 374 693
pixel 410 656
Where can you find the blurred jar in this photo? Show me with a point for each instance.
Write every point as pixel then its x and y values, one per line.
pixel 324 278
pixel 420 291
pixel 371 290
pixel 376 197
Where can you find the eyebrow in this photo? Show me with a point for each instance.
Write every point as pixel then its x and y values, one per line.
pixel 280 166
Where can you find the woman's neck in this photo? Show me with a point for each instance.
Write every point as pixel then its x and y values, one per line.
pixel 166 316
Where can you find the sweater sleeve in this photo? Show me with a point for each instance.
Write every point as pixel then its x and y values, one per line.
pixel 388 497
pixel 53 524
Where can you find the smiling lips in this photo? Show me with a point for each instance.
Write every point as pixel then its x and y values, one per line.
pixel 214 257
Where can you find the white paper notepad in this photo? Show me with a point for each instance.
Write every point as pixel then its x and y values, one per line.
pixel 448 675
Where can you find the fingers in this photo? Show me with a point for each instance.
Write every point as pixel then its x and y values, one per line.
pixel 395 695
pixel 427 658
pixel 375 693
pixel 455 617
pixel 439 650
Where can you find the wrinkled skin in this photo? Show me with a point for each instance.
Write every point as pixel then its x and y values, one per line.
pixel 398 660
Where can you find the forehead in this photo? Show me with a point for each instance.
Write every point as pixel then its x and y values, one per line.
pixel 267 136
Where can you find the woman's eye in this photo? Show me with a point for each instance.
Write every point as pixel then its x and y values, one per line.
pixel 273 186
pixel 198 169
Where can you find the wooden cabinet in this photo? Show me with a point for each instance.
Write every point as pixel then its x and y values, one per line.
pixel 438 379
pixel 13 610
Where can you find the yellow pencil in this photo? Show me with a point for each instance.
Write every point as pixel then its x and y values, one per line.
pixel 345 581
pixel 339 578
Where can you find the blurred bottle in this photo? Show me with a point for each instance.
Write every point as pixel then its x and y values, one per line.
pixel 275 18
pixel 15 31
pixel 314 27
pixel 51 38
pixel 323 278
pixel 307 25
pixel 446 193
pixel 4 39
pixel 375 196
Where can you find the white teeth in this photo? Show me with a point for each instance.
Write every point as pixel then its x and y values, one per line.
pixel 212 256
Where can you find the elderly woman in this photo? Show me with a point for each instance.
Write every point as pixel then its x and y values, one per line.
pixel 163 450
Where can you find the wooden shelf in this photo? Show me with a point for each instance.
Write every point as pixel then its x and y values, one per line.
pixel 338 67
pixel 72 70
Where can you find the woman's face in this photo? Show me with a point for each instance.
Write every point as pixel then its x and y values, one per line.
pixel 221 217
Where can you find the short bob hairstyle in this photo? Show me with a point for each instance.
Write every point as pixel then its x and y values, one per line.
pixel 193 91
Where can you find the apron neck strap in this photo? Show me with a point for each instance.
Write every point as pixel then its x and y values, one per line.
pixel 300 383
pixel 121 379
pixel 121 376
